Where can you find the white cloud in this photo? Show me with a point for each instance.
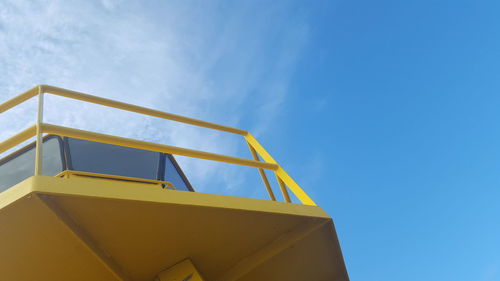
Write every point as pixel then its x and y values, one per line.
pixel 225 62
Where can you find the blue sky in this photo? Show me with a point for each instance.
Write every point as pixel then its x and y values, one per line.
pixel 386 112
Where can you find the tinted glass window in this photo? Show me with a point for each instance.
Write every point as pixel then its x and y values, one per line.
pixel 173 176
pixel 103 158
pixel 22 166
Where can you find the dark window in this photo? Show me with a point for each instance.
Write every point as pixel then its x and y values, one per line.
pixel 21 165
pixel 94 157
pixel 173 175
pixel 103 158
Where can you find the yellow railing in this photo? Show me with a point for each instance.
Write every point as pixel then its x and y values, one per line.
pixel 284 180
pixel 69 173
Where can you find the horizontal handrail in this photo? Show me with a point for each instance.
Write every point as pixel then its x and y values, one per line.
pixel 68 173
pixel 19 99
pixel 92 136
pixel 114 104
pixel 138 109
pixel 17 139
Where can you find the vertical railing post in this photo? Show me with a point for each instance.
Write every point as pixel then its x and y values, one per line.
pixel 284 180
pixel 284 191
pixel 39 138
pixel 262 173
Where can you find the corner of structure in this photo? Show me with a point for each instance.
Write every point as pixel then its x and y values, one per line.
pixel 183 271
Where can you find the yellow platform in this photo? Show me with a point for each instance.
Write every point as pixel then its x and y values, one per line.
pixel 57 229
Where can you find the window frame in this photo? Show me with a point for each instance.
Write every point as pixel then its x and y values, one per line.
pixel 179 171
pixel 32 145
pixel 160 174
pixel 67 164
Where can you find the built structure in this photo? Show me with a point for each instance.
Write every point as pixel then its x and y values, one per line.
pixel 79 205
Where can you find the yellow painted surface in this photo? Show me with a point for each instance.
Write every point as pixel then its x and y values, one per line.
pixel 39 134
pixel 143 230
pixel 104 138
pixel 72 173
pixel 284 180
pixel 19 99
pixel 77 228
pixel 183 271
pixel 36 245
pixel 280 172
pixel 18 138
pixel 137 109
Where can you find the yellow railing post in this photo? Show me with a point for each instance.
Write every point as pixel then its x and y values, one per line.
pixel 39 138
pixel 262 173
pixel 284 190
pixel 281 174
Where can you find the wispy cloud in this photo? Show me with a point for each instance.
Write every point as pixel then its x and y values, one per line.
pixel 227 62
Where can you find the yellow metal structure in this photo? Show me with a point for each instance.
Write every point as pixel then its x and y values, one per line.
pixel 269 162
pixel 86 226
pixel 183 271
pixel 69 173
